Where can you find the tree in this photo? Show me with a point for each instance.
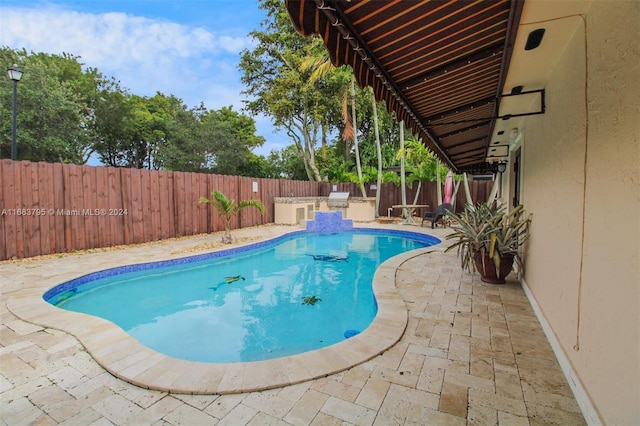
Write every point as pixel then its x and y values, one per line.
pixel 111 111
pixel 242 126
pixel 184 147
pixel 379 152
pixel 228 138
pixel 67 113
pixel 258 166
pixel 162 133
pixel 321 67
pixel 279 89
pixel 422 164
pixel 354 128
pixel 228 208
pixel 55 111
pixel 288 163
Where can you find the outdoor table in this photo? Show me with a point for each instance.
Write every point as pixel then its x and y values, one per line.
pixel 410 209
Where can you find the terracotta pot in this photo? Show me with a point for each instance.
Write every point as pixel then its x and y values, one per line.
pixel 487 268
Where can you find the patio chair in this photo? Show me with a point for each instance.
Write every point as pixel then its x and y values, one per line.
pixel 438 215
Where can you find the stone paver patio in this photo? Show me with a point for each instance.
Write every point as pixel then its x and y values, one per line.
pixel 472 353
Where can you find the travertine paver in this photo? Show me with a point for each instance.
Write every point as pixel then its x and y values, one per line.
pixel 472 353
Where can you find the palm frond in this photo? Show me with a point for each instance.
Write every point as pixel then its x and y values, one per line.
pixel 487 228
pixel 348 132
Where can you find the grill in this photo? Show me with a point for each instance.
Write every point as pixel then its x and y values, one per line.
pixel 338 200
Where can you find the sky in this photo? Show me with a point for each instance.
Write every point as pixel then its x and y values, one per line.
pixel 186 48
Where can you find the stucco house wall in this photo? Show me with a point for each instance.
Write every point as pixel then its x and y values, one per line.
pixel 581 181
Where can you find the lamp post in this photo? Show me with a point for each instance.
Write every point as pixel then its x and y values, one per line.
pixel 15 74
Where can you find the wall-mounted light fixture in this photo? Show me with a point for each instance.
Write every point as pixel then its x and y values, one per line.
pixel 534 39
pixel 502 167
pixel 513 134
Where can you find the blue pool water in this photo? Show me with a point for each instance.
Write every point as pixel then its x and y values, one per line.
pixel 297 293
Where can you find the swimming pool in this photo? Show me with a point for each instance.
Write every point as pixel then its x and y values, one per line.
pixel 297 293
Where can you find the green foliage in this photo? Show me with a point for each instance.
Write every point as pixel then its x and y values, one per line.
pixel 227 208
pixel 67 112
pixel 281 83
pixel 488 229
pixel 55 100
pixel 369 175
pixel 421 164
pixel 391 177
pixel 161 133
pixel 287 163
pixel 258 166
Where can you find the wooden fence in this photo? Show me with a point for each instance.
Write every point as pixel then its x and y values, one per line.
pixel 53 208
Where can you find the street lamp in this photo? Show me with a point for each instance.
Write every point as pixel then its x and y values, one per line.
pixel 15 74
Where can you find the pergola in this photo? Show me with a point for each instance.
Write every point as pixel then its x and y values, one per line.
pixel 439 65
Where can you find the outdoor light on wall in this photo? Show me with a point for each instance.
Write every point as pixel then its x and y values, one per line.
pixel 513 134
pixel 502 167
pixel 534 39
pixel 15 74
pixel 516 90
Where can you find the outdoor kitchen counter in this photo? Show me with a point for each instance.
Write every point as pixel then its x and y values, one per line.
pixel 318 200
pixel 292 210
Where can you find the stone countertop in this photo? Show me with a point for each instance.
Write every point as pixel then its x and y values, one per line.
pixel 296 200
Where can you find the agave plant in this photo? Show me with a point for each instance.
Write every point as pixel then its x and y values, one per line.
pixel 228 208
pixel 489 230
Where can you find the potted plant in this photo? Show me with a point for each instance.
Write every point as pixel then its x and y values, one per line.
pixel 489 239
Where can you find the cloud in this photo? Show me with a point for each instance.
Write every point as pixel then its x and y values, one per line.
pixel 145 55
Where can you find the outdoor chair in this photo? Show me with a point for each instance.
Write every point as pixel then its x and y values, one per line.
pixel 438 215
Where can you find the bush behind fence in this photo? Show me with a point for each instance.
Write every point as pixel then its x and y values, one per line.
pixel 54 208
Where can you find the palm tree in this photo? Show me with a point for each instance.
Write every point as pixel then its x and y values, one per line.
pixel 355 135
pixel 321 66
pixel 378 150
pixel 424 166
pixel 228 208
